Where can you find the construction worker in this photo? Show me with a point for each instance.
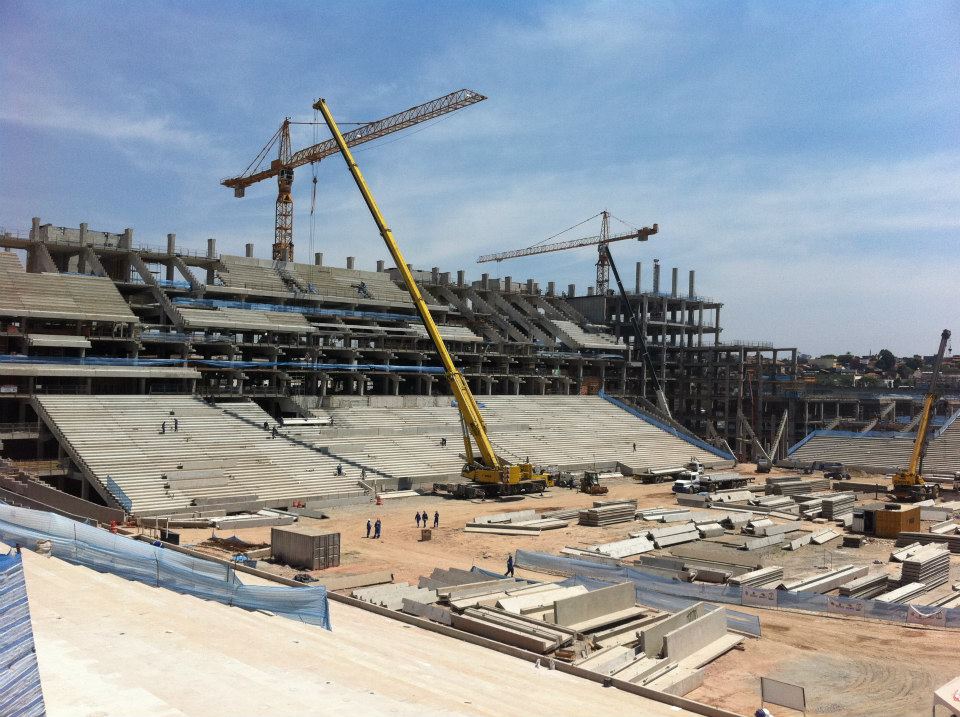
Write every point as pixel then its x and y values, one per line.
pixel 339 468
pixel 163 427
pixel 425 518
pixel 436 519
pixel 369 525
pixel 509 566
pixel 363 474
pixel 443 442
pixel 417 516
pixel 634 446
pixel 266 426
pixel 176 425
pixel 376 529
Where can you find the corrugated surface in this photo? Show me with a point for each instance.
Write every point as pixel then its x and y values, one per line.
pixel 20 692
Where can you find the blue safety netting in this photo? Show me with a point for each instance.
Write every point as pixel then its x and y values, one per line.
pixel 306 310
pixel 135 560
pixel 735 595
pixel 20 691
pixel 216 363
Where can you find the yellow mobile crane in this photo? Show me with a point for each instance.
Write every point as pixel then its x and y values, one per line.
pixel 909 485
pixel 486 474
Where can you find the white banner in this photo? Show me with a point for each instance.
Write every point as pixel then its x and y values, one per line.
pixel 938 618
pixel 758 596
pixel 846 606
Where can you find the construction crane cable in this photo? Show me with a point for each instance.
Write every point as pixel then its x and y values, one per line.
pixel 580 224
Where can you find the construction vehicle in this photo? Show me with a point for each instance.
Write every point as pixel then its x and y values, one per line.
pixel 909 485
pixel 590 484
pixel 288 160
pixel 485 473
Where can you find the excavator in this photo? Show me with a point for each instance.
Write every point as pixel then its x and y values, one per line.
pixel 485 474
pixel 909 485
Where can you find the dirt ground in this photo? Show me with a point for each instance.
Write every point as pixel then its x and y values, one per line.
pixel 848 667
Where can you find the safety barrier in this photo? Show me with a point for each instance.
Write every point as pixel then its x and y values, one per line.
pixel 735 595
pixel 134 560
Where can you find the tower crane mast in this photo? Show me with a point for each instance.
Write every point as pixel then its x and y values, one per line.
pixel 287 160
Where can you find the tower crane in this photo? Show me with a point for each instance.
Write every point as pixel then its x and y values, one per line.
pixel 601 242
pixel 487 473
pixel 287 160
pixel 909 484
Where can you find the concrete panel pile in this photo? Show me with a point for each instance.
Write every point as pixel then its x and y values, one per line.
pixel 902 594
pixel 868 586
pixel 624 548
pixel 793 485
pixel 836 506
pixel 664 515
pixel 929 565
pixel 605 513
pixel 392 595
pixel 776 528
pixel 826 582
pixel 769 575
pixel 523 522
pixel 951 542
pixel 946 527
pixel 824 537
pixel 673 535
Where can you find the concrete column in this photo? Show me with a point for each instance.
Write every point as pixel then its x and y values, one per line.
pixel 35 229
pixel 484 281
pixel 551 288
pixel 571 290
pixel 692 293
pixel 656 276
pixel 435 275
pixel 171 250
pixel 249 251
pixel 461 277
pixel 318 259
pixel 589 291
pixel 445 278
pixel 83 233
pixel 529 286
pixel 381 265
pixel 350 261
pixel 211 248
pixel 127 238
pixel 639 283
pixel 675 275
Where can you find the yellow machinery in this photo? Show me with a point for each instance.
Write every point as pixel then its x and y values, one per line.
pixel 487 474
pixel 908 485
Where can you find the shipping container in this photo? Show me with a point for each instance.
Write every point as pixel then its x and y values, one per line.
pixel 305 547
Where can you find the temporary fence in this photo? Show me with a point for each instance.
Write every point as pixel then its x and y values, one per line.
pixel 651 583
pixel 20 692
pixel 153 565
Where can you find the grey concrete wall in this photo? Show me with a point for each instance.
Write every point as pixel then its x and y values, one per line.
pixel 686 640
pixel 595 603
pixel 652 637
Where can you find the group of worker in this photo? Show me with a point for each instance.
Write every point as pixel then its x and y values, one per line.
pixel 424 519
pixel 176 426
pixel 377 528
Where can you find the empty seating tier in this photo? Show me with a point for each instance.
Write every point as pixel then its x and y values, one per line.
pixel 572 432
pixel 59 296
pixel 246 320
pixel 213 460
pixel 246 273
pixel 346 283
pixel 587 340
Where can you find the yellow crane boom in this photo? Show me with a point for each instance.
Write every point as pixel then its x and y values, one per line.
pixel 909 484
pixel 489 469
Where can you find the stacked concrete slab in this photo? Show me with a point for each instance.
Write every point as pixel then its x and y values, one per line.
pixel 608 513
pixel 929 565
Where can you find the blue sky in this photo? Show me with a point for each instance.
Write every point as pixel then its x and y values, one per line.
pixel 802 157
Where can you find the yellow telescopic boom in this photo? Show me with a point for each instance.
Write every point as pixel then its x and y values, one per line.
pixel 467 404
pixel 919 444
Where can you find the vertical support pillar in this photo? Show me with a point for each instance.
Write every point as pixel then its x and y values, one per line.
pixel 318 259
pixel 171 250
pixel 638 283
